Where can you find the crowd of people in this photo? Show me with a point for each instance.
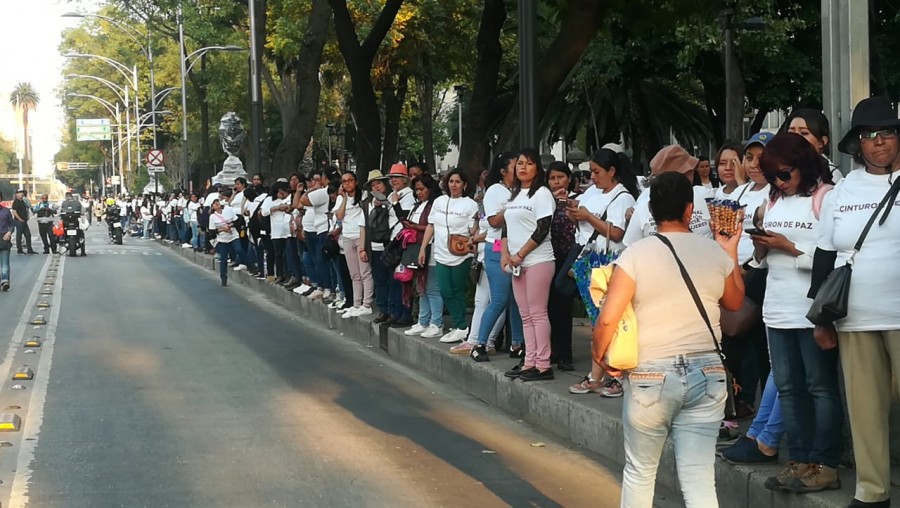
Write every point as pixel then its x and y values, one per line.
pixel 409 241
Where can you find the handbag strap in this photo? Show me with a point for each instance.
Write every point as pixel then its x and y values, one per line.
pixel 889 197
pixel 693 290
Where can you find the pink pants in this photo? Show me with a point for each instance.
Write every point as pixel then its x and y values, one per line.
pixel 532 290
pixel 360 273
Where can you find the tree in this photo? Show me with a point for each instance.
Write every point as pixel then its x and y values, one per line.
pixel 359 58
pixel 24 98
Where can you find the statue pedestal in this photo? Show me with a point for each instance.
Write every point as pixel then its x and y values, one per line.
pixel 151 187
pixel 232 168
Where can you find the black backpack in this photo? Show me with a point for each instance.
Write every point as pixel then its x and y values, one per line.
pixel 378 229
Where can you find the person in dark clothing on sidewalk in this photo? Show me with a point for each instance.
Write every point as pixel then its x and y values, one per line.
pixel 20 212
pixel 45 213
pixel 6 228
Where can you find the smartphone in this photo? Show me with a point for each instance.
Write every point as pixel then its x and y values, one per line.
pixel 756 232
pixel 572 203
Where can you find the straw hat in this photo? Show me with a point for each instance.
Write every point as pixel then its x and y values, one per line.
pixel 375 174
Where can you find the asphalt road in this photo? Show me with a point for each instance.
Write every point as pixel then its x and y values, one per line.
pixel 156 387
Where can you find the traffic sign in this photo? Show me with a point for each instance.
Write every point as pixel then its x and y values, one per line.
pixel 93 129
pixel 155 157
pixel 156 169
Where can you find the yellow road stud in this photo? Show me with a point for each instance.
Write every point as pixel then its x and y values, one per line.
pixel 24 373
pixel 10 422
pixel 39 320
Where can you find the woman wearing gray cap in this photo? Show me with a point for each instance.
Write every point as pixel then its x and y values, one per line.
pixel 869 334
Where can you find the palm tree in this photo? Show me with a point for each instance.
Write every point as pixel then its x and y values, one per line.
pixel 24 98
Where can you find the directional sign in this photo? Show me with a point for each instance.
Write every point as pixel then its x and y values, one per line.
pixel 93 129
pixel 155 157
pixel 156 169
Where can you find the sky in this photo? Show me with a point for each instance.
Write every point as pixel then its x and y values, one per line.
pixel 29 51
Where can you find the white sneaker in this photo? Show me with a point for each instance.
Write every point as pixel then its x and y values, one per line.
pixel 185 246
pixel 301 289
pixel 335 304
pixel 462 333
pixel 326 294
pixel 363 311
pixel 239 268
pixel 451 337
pixel 351 312
pixel 341 310
pixel 432 332
pixel 417 329
pixel 315 295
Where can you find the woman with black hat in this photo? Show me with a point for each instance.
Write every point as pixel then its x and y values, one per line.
pixel 869 336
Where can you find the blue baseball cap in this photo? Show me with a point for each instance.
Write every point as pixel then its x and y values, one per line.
pixel 761 138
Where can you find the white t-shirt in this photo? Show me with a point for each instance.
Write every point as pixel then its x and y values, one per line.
pixel 407 201
pixel 642 224
pixel 788 281
pixel 415 217
pixel 751 200
pixel 192 209
pixel 451 216
pixel 353 217
pixel 613 203
pixel 280 220
pixel 494 202
pixel 721 194
pixel 522 214
pixel 217 220
pixel 237 203
pixel 315 219
pixel 874 298
pixel 212 196
pixel 668 321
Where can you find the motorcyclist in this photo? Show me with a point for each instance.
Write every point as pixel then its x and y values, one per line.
pixel 113 217
pixel 71 209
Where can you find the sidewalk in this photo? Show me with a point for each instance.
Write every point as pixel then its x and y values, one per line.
pixel 587 421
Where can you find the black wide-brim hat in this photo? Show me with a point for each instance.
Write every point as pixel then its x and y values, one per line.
pixel 870 112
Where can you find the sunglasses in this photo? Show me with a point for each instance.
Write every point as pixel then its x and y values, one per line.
pixel 783 175
pixel 889 133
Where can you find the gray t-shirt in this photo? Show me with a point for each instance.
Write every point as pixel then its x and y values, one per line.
pixel 669 322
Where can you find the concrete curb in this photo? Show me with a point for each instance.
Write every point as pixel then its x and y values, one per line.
pixel 587 422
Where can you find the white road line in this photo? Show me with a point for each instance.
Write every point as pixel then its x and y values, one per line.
pixel 35 417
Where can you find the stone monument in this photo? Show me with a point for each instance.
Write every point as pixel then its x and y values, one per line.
pixel 231 133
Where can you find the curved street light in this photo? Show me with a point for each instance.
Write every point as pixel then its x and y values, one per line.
pixel 114 111
pixel 121 92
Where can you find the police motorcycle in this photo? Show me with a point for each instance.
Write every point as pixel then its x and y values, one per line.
pixel 73 239
pixel 114 221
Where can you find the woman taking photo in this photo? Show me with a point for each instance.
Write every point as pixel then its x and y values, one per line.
pixel 501 179
pixel 678 387
pixel 527 253
pixel 452 223
pixel 869 336
pixel 813 126
pixel 227 244
pixel 805 375
pixel 348 210
pixel 431 305
pixel 730 169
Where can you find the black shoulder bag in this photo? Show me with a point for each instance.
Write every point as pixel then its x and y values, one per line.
pixel 830 302
pixel 730 410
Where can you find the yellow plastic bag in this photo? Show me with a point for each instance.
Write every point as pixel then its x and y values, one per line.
pixel 622 353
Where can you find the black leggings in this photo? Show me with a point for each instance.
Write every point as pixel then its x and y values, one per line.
pixel 559 310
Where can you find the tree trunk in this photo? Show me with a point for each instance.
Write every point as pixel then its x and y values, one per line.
pixel 474 145
pixel 207 166
pixel 358 58
pixel 299 114
pixel 758 120
pixel 580 25
pixel 393 108
pixel 425 92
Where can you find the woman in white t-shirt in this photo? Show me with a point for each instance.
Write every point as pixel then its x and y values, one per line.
pixel 147 217
pixel 348 211
pixel 221 220
pixel 813 125
pixel 805 375
pixel 729 167
pixel 704 176
pixel 528 254
pixel 315 228
pixel 431 306
pixel 278 209
pixel 869 336
pixel 193 216
pixel 451 222
pixel 678 386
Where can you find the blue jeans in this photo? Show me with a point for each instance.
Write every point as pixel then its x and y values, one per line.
pixel 807 381
pixel 4 265
pixel 684 393
pixel 309 269
pixel 292 258
pixel 334 266
pixel 195 235
pixel 768 426
pixel 431 305
pixel 380 274
pixel 232 248
pixel 501 297
pixel 147 223
pixel 314 244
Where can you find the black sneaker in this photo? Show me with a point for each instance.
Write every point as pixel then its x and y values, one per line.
pixel 479 353
pixel 382 318
pixel 224 282
pixel 4 286
pixel 537 375
pixel 402 323
pixel 309 291
pixel 517 352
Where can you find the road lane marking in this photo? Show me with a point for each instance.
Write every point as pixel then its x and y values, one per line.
pixel 35 416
